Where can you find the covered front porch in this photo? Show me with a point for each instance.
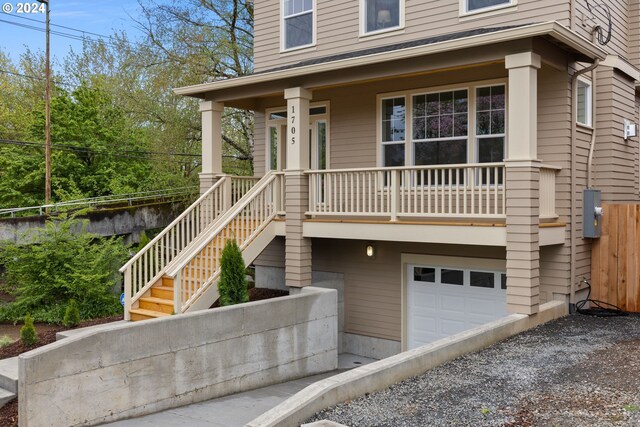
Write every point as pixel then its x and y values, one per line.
pixel 365 156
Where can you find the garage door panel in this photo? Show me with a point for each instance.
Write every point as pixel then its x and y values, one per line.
pixel 437 310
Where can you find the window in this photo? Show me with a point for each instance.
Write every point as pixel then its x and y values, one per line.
pixel 381 15
pixel 584 102
pixel 273 148
pixel 478 5
pixel 452 277
pixel 298 25
pixel 481 279
pixel 440 128
pixel 490 128
pixel 424 274
pixel 393 132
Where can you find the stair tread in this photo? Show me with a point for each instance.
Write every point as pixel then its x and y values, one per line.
pixel 149 313
pixel 163 288
pixel 157 300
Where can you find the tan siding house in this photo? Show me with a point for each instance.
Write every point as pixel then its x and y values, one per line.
pixel 425 158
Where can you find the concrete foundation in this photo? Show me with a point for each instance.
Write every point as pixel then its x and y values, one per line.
pixel 133 369
pixel 375 348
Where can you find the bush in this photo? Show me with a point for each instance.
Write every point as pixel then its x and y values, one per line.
pixel 28 334
pixel 62 262
pixel 5 341
pixel 71 315
pixel 233 283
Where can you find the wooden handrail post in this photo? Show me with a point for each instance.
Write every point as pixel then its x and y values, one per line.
pixel 227 194
pixel 177 293
pixel 127 294
pixel 395 194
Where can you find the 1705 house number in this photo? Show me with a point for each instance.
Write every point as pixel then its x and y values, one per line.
pixel 293 127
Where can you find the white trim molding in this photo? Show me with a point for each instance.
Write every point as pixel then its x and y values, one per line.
pixel 385 31
pixel 314 29
pixel 488 10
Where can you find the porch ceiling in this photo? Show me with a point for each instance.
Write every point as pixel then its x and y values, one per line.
pixel 395 60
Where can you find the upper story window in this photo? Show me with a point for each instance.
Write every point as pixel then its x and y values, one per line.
pixel 471 6
pixel 584 103
pixel 297 23
pixel 382 15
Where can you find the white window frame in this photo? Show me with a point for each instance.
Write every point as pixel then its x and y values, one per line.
pixel 588 103
pixel 363 21
pixel 452 138
pixel 464 8
pixel 408 95
pixel 283 40
pixel 407 116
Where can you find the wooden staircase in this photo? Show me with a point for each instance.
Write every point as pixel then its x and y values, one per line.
pixel 157 302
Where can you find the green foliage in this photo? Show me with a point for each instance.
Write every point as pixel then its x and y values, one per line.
pixel 28 334
pixel 144 241
pixel 233 283
pixel 71 315
pixel 5 341
pixel 632 408
pixel 62 262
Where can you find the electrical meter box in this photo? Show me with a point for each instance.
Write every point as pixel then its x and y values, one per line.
pixel 592 216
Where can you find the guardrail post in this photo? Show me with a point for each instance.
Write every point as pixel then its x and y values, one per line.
pixel 177 293
pixel 227 194
pixel 127 294
pixel 395 194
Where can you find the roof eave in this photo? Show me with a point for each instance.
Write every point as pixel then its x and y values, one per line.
pixel 552 29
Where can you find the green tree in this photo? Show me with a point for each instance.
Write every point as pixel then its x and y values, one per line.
pixel 232 285
pixel 28 334
pixel 62 262
pixel 71 314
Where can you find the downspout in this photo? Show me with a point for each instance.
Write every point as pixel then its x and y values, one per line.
pixel 574 131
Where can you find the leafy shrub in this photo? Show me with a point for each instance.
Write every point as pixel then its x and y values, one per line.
pixel 71 315
pixel 233 283
pixel 5 341
pixel 144 241
pixel 28 334
pixel 62 262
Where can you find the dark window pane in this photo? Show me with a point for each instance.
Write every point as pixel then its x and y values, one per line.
pixel 503 281
pixel 322 145
pixel 452 152
pixel 419 106
pixel 299 30
pixel 446 126
pixel 483 127
pixel 273 150
pixel 387 131
pixel 461 101
pixel 419 131
pixel 483 99
pixel 498 98
pixel 497 122
pixel 452 277
pixel 433 127
pixel 446 103
pixel 426 153
pixel 421 274
pixel 394 155
pixel 382 14
pixel 278 115
pixel 480 4
pixel 482 280
pixel 461 125
pixel 433 104
pixel 317 111
pixel 490 150
pixel 398 129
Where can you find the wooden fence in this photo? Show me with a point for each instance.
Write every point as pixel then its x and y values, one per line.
pixel 615 258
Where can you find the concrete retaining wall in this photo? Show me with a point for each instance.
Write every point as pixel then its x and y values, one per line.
pixel 138 368
pixel 382 374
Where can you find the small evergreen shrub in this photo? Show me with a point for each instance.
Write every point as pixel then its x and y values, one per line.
pixel 5 341
pixel 71 315
pixel 28 334
pixel 233 282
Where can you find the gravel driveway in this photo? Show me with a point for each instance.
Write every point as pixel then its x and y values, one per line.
pixel 576 371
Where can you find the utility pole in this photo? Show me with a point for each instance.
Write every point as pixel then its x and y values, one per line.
pixel 47 128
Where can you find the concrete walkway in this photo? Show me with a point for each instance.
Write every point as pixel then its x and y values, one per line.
pixel 238 409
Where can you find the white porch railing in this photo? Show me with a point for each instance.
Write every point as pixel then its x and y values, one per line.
pixel 469 190
pixel 148 265
pixel 199 269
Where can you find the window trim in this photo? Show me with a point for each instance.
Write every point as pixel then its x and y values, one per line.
pixel 314 12
pixel 379 133
pixel 588 103
pixel 384 31
pixel 477 137
pixel 409 93
pixel 464 8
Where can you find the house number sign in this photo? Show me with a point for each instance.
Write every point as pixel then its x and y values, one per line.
pixel 294 124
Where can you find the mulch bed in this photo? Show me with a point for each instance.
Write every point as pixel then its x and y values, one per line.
pixel 9 412
pixel 17 348
pixel 257 294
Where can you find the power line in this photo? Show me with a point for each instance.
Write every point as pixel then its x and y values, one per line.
pixel 58 25
pixel 27 76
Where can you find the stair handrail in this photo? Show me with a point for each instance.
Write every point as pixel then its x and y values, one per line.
pixel 221 225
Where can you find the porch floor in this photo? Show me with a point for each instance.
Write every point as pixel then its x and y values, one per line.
pixel 237 409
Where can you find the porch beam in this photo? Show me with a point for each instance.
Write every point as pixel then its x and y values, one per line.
pixel 523 185
pixel 297 247
pixel 211 143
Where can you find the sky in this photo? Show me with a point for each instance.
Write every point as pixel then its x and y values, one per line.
pixel 101 17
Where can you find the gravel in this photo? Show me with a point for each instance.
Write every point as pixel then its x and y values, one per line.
pixel 576 371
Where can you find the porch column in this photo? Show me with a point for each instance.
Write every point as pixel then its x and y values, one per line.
pixel 297 248
pixel 211 143
pixel 522 185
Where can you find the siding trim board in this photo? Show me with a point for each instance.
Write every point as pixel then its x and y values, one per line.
pixel 585 50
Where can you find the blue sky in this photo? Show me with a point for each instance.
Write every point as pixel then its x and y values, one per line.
pixel 102 17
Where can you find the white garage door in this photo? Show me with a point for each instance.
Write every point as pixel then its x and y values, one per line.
pixel 443 301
